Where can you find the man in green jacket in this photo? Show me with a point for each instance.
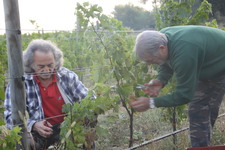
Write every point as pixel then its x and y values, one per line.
pixel 195 55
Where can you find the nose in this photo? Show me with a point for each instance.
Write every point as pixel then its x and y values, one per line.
pixel 46 69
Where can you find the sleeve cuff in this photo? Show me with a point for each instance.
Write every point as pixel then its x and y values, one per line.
pixel 30 126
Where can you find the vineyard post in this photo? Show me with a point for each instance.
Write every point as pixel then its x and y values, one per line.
pixel 15 64
pixel 77 26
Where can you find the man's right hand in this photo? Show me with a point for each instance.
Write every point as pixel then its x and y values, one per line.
pixel 154 87
pixel 44 128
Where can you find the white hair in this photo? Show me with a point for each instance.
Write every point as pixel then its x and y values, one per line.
pixel 148 43
pixel 42 46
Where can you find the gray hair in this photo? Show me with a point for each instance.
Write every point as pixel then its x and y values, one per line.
pixel 148 43
pixel 41 46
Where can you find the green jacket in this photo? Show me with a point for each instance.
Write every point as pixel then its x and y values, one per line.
pixel 195 53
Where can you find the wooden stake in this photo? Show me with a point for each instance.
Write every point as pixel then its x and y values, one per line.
pixel 15 64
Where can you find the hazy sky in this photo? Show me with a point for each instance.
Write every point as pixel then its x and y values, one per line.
pixel 57 14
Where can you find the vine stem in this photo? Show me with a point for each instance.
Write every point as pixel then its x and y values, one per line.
pixel 71 120
pixel 130 113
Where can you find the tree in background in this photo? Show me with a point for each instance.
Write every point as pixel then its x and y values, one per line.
pixel 218 6
pixel 134 17
pixel 171 13
pixel 218 11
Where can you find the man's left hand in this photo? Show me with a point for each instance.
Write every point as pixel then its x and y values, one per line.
pixel 142 104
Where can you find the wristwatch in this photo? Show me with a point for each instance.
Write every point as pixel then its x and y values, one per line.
pixel 151 103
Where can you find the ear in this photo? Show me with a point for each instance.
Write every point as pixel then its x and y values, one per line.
pixel 163 50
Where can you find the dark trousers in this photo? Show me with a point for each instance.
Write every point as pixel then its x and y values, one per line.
pixel 38 142
pixel 203 111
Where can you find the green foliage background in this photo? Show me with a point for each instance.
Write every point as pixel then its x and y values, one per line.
pixel 103 58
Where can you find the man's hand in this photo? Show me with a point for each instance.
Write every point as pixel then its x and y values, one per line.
pixel 43 128
pixel 142 104
pixel 154 87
